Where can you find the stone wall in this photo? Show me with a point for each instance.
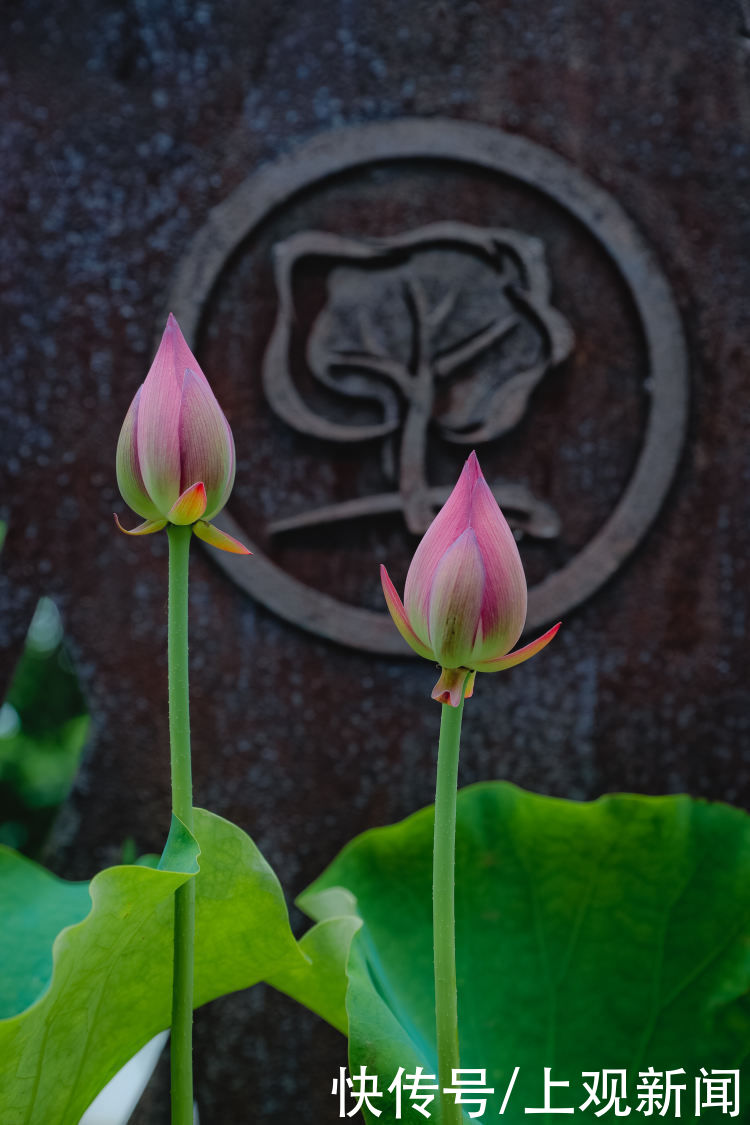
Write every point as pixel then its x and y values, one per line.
pixel 123 127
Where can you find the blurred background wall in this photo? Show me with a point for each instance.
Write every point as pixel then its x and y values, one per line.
pixel 123 126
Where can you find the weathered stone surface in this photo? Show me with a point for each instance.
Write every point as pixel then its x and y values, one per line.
pixel 122 127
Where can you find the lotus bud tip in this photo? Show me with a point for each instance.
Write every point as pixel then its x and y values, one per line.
pixel 465 596
pixel 175 454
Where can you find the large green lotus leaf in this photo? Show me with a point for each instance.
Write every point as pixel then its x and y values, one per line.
pixel 85 969
pixel 589 936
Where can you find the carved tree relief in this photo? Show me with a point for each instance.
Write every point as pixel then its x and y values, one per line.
pixel 449 327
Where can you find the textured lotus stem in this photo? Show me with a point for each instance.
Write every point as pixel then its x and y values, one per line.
pixel 182 807
pixel 443 911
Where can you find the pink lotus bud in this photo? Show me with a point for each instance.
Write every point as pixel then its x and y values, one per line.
pixel 465 595
pixel 175 455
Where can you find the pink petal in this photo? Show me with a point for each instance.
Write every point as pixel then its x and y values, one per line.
pixel 232 467
pixel 129 478
pixel 452 682
pixel 146 528
pixel 210 534
pixel 504 604
pixel 456 601
pixel 158 420
pixel 205 440
pixel 400 620
pixel 189 506
pixel 449 523
pixel 500 663
pixel 183 356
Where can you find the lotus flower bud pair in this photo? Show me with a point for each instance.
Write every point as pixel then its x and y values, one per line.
pixel 465 596
pixel 175 455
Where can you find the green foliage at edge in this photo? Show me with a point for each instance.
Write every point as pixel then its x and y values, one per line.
pixel 614 934
pixel 85 969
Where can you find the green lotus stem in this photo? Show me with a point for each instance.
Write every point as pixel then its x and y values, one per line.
pixel 182 807
pixel 443 909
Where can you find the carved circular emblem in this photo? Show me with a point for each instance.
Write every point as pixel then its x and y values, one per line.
pixel 418 289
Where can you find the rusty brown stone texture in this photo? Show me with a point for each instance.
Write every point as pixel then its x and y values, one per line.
pixel 122 125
